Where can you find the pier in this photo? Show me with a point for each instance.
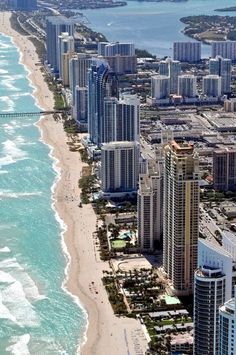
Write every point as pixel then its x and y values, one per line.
pixel 28 114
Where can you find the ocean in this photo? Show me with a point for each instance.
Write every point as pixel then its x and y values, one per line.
pixel 152 26
pixel 37 315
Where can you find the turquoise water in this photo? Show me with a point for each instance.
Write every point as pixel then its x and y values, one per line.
pixel 152 26
pixel 36 315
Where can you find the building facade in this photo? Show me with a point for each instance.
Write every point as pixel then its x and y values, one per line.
pixel 121 119
pixel 25 5
pixel 215 277
pixel 224 169
pixel 78 71
pixel 160 87
pixel 55 25
pixel 189 52
pixel 227 328
pixel 181 215
pixel 222 67
pixel 187 86
pixel 80 109
pixel 65 46
pixel 119 168
pixel 102 82
pixel 212 86
pixel 150 207
pixel 209 294
pixel 225 49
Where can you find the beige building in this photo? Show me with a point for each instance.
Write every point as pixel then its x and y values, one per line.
pixel 181 215
pixel 230 105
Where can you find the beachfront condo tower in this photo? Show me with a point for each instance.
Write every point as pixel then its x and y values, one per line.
pixel 55 26
pixel 181 215
pixel 208 296
pixel 214 284
pixel 228 328
pixel 150 207
pixel 102 82
pixel 121 119
pixel 119 168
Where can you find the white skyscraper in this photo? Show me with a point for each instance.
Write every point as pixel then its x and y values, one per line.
pixel 121 119
pixel 212 86
pixel 214 282
pixel 164 67
pixel 222 67
pixel 228 328
pixel 160 86
pixel 119 168
pixel 187 86
pixel 189 52
pixel 174 72
pixel 107 49
pixel 172 69
pixel 150 207
pixel 78 71
pixel 181 215
pixel 226 49
pixel 209 294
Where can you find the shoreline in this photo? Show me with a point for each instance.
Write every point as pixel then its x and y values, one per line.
pixel 84 269
pixel 47 103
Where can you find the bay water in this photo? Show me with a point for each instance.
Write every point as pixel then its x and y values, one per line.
pixel 37 315
pixel 153 26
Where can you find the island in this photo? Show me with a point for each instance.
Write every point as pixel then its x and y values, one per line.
pixel 226 9
pixel 210 28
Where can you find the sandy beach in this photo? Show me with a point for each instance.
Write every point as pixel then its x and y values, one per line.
pixel 106 333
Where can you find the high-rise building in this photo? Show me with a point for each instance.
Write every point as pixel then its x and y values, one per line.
pixel 212 85
pixel 224 169
pixel 228 328
pixel 80 109
pixel 122 64
pixel 222 67
pixel 181 215
pixel 55 25
pixel 214 281
pixel 226 49
pixel 120 56
pixel 174 72
pixel 65 63
pixel 121 119
pixel 187 51
pixel 25 5
pixel 102 82
pixel 160 87
pixel 65 45
pixel 230 105
pixel 150 207
pixel 107 49
pixel 187 86
pixel 119 168
pixel 78 71
pixel 164 67
pixel 172 69
pixel 209 294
